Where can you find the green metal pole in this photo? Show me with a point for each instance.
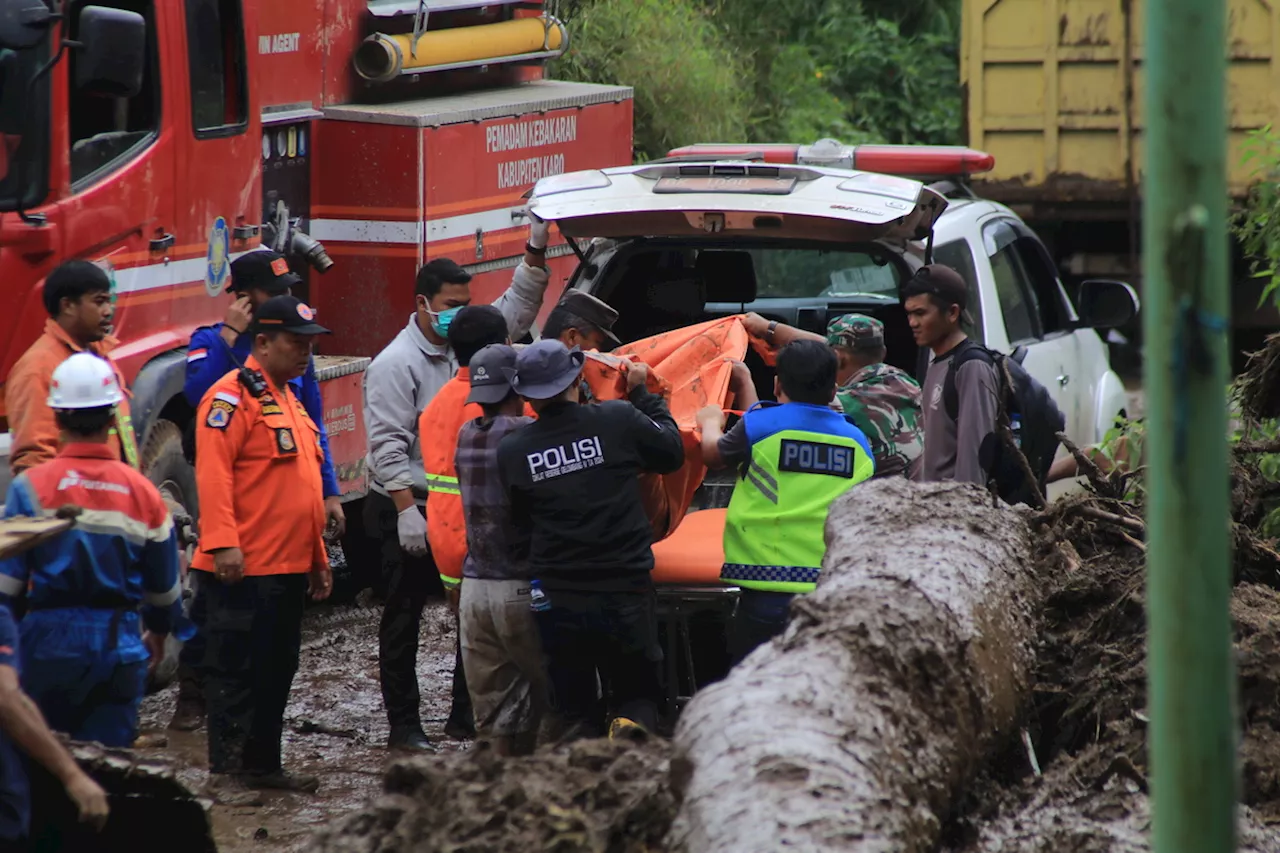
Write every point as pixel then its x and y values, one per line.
pixel 1192 679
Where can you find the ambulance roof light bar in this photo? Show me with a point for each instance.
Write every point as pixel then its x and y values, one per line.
pixel 916 161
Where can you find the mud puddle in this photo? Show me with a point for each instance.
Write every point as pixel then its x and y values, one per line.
pixel 335 727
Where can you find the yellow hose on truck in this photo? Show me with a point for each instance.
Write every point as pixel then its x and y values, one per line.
pixel 384 57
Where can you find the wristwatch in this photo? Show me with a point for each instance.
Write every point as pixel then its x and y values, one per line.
pixel 529 247
pixel 773 326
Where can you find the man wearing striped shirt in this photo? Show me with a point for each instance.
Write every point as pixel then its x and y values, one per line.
pixel 92 590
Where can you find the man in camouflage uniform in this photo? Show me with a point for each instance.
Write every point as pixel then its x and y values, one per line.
pixel 883 401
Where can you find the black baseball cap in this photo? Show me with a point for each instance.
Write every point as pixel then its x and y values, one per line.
pixel 597 312
pixel 489 382
pixel 288 313
pixel 945 282
pixel 545 369
pixel 261 270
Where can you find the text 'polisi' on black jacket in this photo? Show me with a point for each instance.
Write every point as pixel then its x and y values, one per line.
pixel 572 477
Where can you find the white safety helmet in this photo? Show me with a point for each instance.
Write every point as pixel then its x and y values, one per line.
pixel 84 381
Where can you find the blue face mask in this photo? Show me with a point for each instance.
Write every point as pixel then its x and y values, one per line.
pixel 440 321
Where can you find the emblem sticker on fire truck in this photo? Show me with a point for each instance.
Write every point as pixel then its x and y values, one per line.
pixel 110 269
pixel 217 260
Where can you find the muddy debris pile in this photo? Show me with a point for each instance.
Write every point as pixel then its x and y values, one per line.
pixel 1088 720
pixel 594 796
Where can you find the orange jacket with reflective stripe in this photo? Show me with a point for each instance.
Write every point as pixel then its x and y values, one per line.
pixel 258 478
pixel 26 401
pixel 438 427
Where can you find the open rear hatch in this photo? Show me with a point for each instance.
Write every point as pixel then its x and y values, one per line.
pixel 734 198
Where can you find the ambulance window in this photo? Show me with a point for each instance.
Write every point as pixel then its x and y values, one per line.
pixel 959 257
pixel 215 52
pixel 1013 283
pixel 107 132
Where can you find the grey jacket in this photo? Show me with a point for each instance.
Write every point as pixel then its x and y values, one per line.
pixel 406 375
pixel 951 447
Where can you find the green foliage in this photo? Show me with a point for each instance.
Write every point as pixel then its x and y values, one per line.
pixel 1123 446
pixel 774 70
pixel 687 81
pixel 896 87
pixel 1258 226
pixel 1263 432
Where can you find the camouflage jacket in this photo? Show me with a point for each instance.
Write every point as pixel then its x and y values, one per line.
pixel 885 403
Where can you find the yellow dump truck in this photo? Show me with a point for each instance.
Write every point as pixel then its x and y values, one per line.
pixel 1053 88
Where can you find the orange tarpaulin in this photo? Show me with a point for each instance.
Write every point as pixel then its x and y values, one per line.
pixel 691 367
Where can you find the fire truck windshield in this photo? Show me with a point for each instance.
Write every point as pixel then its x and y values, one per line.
pixel 24 128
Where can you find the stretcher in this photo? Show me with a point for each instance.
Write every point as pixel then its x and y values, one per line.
pixel 694 552
pixel 694 608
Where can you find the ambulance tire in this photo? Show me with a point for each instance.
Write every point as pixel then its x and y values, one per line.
pixel 167 467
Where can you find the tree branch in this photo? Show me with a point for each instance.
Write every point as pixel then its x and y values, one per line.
pixel 1131 524
pixel 1090 468
pixel 1269 446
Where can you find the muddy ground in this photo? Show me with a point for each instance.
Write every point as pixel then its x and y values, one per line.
pixel 1087 723
pixel 335 727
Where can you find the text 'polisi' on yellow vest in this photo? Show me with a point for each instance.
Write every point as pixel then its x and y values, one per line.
pixel 803 457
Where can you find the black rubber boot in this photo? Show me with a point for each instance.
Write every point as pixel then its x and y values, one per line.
pixel 409 739
pixel 189 715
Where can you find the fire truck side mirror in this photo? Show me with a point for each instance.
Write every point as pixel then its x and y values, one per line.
pixel 113 52
pixel 24 23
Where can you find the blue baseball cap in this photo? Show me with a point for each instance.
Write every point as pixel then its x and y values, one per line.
pixel 545 369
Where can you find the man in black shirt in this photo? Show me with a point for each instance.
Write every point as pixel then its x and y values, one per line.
pixel 572 479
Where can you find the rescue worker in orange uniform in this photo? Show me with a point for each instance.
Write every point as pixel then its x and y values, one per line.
pixel 475 327
pixel 77 296
pixel 258 460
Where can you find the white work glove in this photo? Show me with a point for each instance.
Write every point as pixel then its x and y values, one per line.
pixel 412 528
pixel 539 231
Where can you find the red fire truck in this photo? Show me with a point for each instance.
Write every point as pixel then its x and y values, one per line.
pixel 359 137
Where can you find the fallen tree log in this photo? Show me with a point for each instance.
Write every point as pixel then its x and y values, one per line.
pixel 904 669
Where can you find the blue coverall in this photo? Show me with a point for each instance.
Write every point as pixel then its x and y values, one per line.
pixel 90 591
pixel 208 360
pixel 15 793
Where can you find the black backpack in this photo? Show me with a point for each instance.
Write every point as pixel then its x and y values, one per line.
pixel 1030 412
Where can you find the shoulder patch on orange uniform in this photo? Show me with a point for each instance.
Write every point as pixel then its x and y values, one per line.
pixel 220 412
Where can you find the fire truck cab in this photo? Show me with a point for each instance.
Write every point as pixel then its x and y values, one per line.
pixel 358 137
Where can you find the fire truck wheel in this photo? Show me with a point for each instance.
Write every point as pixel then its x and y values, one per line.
pixel 165 465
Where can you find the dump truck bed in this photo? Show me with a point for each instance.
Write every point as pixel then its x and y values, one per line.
pixel 1054 90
